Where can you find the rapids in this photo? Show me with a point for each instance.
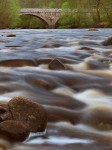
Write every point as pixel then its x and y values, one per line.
pixel 77 96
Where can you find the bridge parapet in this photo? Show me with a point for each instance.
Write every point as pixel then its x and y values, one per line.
pixel 36 10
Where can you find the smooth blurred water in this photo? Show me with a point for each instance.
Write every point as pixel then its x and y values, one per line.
pixel 78 100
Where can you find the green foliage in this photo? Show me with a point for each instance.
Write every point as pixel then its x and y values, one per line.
pixel 30 22
pixel 9 10
pixel 51 5
pixel 90 13
pixel 65 5
pixel 67 21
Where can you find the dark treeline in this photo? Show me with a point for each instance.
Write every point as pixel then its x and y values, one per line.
pixel 90 13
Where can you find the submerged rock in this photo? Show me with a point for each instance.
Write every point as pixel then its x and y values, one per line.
pixel 86 48
pixel 51 46
pixel 93 29
pixel 17 63
pixel 31 114
pixel 95 64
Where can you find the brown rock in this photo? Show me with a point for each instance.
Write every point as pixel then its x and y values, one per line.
pixel 51 46
pixel 47 46
pixel 86 48
pixel 17 63
pixel 4 112
pixel 55 64
pixel 31 114
pixel 13 130
pixel 44 61
pixel 11 35
pixel 107 41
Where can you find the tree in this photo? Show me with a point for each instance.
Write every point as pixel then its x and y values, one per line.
pixel 9 10
pixel 51 5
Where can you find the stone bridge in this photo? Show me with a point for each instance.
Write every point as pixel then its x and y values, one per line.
pixel 49 16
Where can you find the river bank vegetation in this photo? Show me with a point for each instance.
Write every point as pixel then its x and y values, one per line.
pixel 90 13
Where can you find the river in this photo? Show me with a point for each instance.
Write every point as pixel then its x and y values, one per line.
pixel 69 72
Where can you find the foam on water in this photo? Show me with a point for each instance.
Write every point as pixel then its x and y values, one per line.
pixel 81 66
pixel 60 140
pixel 64 91
pixel 83 128
pixel 93 97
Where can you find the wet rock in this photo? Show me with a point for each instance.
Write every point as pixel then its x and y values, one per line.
pixel 55 64
pixel 13 130
pixel 93 29
pixel 51 46
pixel 17 63
pixel 107 41
pixel 61 59
pixel 44 61
pixel 11 35
pixel 31 114
pixel 47 46
pixel 86 48
pixel 4 113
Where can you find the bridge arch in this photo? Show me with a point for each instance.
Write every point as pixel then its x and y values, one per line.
pixel 37 16
pixel 49 16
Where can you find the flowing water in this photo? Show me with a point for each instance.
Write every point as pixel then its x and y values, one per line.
pixel 78 99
